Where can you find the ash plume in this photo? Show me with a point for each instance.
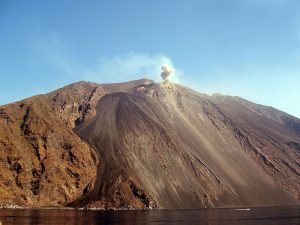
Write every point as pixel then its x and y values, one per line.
pixel 166 72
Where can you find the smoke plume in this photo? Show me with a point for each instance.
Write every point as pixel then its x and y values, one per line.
pixel 166 72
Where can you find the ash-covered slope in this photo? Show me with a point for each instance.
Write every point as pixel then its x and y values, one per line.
pixel 142 144
pixel 167 146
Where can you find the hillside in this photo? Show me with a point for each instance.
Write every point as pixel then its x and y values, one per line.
pixel 142 144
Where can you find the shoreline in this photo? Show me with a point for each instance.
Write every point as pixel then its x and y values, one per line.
pixel 240 208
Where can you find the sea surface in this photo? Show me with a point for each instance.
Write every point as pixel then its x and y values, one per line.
pixel 251 216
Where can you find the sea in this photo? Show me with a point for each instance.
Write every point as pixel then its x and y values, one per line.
pixel 238 216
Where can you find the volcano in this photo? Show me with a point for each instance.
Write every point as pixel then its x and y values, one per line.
pixel 142 144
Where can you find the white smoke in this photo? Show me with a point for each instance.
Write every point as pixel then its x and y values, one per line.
pixel 132 66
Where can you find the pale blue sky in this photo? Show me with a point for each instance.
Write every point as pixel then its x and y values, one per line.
pixel 235 47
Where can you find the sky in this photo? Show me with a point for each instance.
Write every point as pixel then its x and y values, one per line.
pixel 242 48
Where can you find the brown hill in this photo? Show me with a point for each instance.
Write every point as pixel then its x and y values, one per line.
pixel 142 144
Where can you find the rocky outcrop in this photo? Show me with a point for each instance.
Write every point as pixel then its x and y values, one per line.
pixel 74 103
pixel 42 162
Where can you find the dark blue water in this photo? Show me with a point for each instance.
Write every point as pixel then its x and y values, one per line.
pixel 254 216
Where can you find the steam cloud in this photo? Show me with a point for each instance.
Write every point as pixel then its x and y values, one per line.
pixel 166 72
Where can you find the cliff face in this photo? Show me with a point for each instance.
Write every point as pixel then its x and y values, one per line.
pixel 42 161
pixel 142 144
